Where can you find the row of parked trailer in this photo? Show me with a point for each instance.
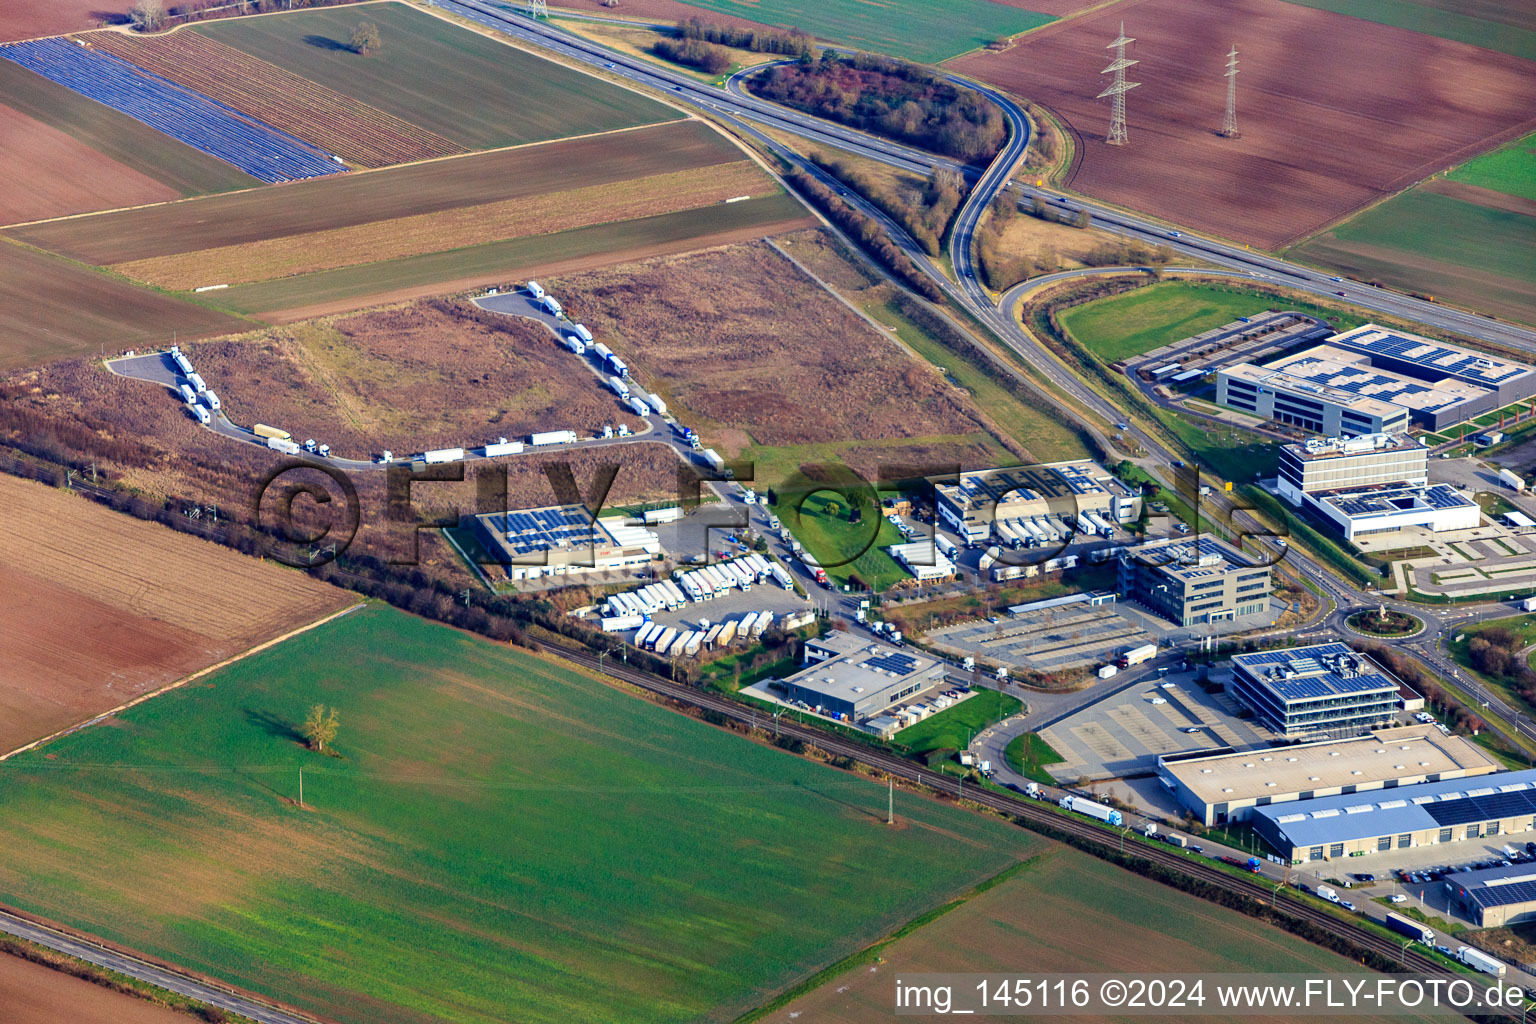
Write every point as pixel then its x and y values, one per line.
pixel 739 573
pixel 578 338
pixel 679 641
pixel 201 402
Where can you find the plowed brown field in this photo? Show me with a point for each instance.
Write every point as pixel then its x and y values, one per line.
pixel 48 173
pixel 28 19
pixel 338 123
pixel 100 607
pixel 34 994
pixel 1335 111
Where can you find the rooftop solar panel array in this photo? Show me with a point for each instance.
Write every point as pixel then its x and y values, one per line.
pixel 1434 357
pixel 1483 808
pixel 1310 673
pixel 1499 887
pixel 1394 499
pixel 545 529
pixel 997 485
pixel 894 663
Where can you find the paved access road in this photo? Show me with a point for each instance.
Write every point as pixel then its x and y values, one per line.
pixel 132 966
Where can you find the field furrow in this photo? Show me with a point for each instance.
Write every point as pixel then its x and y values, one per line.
pixel 450 229
pixel 348 127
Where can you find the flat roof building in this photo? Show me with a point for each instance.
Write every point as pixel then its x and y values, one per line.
pixel 1315 691
pixel 1495 897
pixel 923 560
pixel 846 675
pixel 1428 814
pixel 1375 483
pixel 1372 380
pixel 1194 580
pixel 1059 491
pixel 562 540
pixel 1228 786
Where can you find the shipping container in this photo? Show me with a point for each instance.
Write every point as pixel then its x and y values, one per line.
pixel 443 455
pixel 262 430
pixel 553 437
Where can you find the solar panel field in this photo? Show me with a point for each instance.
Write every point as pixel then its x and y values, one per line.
pixel 498 838
pixel 469 88
pixel 256 148
pixel 348 127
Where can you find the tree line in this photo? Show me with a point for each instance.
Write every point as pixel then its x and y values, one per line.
pixel 892 98
pixel 926 219
pixel 790 43
pixel 867 232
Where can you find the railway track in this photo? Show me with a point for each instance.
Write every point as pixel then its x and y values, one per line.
pixel 1028 810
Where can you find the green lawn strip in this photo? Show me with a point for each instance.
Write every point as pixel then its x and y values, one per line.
pixel 821 522
pixel 111 133
pixel 1029 755
pixel 927 31
pixel 507 256
pixel 1434 20
pixel 1509 169
pixel 498 838
pixel 1450 231
pixel 467 87
pixel 1042 435
pixel 775 463
pixel 871 954
pixel 955 727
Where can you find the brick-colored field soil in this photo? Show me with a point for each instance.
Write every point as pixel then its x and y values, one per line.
pixel 1335 111
pixel 28 19
pixel 48 173
pixel 34 994
pixel 740 337
pixel 340 124
pixel 100 607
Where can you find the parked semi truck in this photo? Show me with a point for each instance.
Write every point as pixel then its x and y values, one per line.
pixel 553 437
pixel 1482 961
pixel 262 430
pixel 282 444
pixel 1412 929
pixel 638 405
pixel 502 447
pixel 1093 809
pixel 437 455
pixel 1137 655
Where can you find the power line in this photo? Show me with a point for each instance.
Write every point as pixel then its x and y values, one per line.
pixel 1229 122
pixel 1118 135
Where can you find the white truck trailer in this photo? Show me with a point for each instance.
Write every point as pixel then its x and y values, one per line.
pixel 282 444
pixel 620 623
pixel 502 447
pixel 552 437
pixel 782 575
pixel 637 405
pixel 580 330
pixel 656 404
pixel 1092 809
pixel 535 290
pixel 618 387
pixel 1137 655
pixel 1480 960
pixel 438 455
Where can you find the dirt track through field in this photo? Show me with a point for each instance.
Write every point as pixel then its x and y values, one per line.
pixel 1334 111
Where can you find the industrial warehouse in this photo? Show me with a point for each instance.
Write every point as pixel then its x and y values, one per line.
pixel 562 540
pixel 1430 813
pixel 1036 500
pixel 1495 897
pixel 1325 689
pixel 1374 483
pixel 1193 581
pixel 1222 786
pixel 1371 381
pixel 857 680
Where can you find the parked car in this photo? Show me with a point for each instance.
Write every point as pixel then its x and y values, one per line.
pixel 1346 904
pixel 1397 897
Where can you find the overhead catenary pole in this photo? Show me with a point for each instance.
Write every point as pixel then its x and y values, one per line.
pixel 890 800
pixel 1229 122
pixel 1118 136
pixel 301 787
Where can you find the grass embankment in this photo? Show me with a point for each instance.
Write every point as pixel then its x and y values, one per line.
pixel 1029 755
pixel 955 727
pixel 496 837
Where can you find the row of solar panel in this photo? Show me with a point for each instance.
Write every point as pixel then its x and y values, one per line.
pixel 256 148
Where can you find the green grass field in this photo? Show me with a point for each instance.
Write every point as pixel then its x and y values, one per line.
pixel 632 237
pixel 497 839
pixel 1029 754
pixel 928 31
pixel 954 727
pixel 1449 231
pixel 130 142
pixel 1505 29
pixel 465 86
pixel 1509 169
pixel 1139 321
pixel 831 538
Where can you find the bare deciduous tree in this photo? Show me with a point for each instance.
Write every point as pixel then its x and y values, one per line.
pixel 147 15
pixel 320 727
pixel 365 38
